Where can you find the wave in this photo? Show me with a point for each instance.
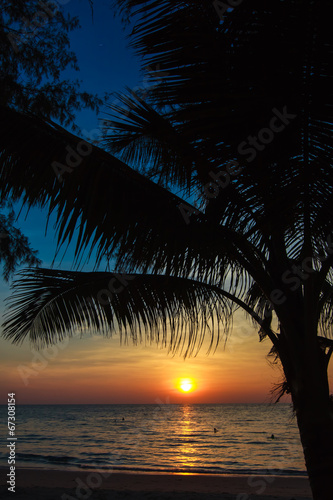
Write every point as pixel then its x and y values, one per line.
pixel 206 470
pixel 58 459
pixel 188 444
pixel 68 462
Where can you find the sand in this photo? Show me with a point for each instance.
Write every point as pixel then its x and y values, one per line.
pixel 42 484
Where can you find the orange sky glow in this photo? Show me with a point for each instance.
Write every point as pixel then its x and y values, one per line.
pixel 96 370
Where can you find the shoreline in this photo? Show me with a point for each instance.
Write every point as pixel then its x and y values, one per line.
pixel 157 471
pixel 97 483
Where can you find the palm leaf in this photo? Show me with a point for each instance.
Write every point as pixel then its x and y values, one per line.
pixel 146 140
pixel 102 203
pixel 48 305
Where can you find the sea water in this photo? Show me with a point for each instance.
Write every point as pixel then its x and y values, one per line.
pixel 198 438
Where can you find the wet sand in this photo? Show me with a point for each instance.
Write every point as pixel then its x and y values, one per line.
pixel 96 484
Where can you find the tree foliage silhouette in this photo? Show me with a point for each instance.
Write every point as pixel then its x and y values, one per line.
pixel 34 52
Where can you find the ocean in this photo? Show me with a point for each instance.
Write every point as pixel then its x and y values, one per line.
pixel 198 438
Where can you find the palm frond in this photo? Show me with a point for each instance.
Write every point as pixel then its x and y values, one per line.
pixel 100 202
pixel 237 70
pixel 48 305
pixel 325 310
pixel 149 142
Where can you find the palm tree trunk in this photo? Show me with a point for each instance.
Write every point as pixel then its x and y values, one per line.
pixel 316 432
pixel 314 413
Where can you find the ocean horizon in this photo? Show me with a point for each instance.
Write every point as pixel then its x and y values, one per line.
pixel 216 438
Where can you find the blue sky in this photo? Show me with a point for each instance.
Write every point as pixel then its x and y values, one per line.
pixel 106 63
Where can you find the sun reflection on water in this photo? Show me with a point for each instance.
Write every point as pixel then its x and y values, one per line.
pixel 186 454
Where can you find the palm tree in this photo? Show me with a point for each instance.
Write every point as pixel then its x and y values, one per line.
pixel 240 127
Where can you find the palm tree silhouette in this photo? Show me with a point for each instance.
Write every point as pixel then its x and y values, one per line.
pixel 239 125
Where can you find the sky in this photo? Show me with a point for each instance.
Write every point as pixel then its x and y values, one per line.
pixel 94 369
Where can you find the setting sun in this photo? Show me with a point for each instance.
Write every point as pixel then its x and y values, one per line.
pixel 185 384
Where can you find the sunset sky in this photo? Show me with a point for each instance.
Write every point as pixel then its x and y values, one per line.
pixel 98 370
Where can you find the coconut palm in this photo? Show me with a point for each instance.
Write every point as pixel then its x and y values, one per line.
pixel 217 196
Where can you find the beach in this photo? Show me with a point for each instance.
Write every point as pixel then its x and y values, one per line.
pixel 96 484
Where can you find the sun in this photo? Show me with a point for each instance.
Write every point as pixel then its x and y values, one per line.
pixel 185 384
